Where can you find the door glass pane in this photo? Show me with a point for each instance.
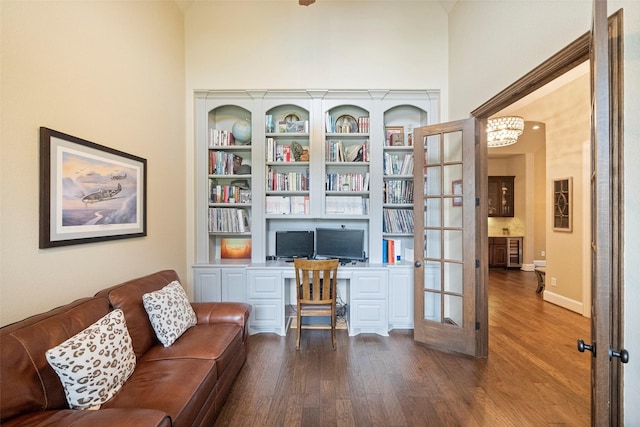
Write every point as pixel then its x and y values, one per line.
pixel 452 177
pixel 432 181
pixel 432 277
pixel 432 244
pixel 453 245
pixel 432 212
pixel 453 147
pixel 453 277
pixel 432 149
pixel 452 212
pixel 432 309
pixel 453 310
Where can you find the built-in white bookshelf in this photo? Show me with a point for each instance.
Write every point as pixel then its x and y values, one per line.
pixel 316 159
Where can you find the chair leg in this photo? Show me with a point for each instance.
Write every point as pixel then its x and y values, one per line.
pixel 298 329
pixel 333 330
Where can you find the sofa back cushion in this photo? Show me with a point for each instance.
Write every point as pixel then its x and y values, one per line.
pixel 127 297
pixel 28 381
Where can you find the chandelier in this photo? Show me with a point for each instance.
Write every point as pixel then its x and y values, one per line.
pixel 503 131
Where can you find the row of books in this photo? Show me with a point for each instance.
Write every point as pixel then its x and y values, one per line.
pixel 363 124
pixel 398 191
pixel 347 182
pixel 347 205
pixel 279 152
pixel 222 162
pixel 228 220
pixel 391 250
pixel 393 165
pixel 337 151
pixel 288 181
pixel 287 205
pixel 398 221
pixel 228 193
pixel 220 137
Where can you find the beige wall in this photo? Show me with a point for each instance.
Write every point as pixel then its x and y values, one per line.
pixel 109 72
pixel 567 130
pixel 540 204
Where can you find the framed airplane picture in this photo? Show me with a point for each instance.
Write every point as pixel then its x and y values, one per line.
pixel 89 192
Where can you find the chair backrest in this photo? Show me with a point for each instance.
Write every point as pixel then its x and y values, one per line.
pixel 316 280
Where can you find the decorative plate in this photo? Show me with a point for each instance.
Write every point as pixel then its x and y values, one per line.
pixel 346 124
pixel 291 117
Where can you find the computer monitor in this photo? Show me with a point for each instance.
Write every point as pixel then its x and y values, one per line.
pixel 342 243
pixel 294 244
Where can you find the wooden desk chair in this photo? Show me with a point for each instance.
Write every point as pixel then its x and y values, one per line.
pixel 316 282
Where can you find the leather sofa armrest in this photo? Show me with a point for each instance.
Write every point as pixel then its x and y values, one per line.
pixel 223 312
pixel 107 417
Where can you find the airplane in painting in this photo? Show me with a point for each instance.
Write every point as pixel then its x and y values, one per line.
pixel 118 177
pixel 101 195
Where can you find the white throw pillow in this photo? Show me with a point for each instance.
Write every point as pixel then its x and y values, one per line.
pixel 170 312
pixel 94 364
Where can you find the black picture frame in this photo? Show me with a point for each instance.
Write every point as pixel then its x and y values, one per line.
pixel 88 192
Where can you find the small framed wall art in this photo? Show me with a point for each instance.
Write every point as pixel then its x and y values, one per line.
pixel 89 192
pixel 562 208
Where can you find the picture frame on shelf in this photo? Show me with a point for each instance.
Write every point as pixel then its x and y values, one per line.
pixel 235 248
pixel 394 134
pixel 89 192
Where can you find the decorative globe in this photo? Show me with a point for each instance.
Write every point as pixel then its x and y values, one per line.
pixel 241 131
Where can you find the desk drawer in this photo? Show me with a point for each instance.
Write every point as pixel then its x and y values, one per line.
pixel 264 284
pixel 371 285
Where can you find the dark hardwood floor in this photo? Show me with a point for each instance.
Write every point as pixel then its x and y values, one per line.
pixel 533 376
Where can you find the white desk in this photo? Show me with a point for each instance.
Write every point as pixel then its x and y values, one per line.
pixel 269 287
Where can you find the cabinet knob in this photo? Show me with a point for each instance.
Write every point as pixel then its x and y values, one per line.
pixel 418 264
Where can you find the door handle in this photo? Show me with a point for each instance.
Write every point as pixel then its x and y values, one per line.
pixel 582 347
pixel 622 354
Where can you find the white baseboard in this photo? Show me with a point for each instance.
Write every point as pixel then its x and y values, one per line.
pixel 563 301
pixel 527 267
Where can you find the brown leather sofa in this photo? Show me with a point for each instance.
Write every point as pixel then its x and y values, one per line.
pixel 185 384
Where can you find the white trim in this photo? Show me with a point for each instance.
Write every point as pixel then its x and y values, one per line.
pixel 527 267
pixel 563 301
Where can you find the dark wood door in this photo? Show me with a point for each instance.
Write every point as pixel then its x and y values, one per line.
pixel 606 218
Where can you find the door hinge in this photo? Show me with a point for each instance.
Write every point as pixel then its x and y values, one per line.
pixel 477 263
pixel 477 201
pixel 477 326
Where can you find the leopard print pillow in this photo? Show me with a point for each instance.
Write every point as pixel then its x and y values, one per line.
pixel 170 312
pixel 94 364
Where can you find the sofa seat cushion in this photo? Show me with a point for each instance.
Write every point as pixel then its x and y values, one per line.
pixel 179 387
pixel 220 342
pixel 101 418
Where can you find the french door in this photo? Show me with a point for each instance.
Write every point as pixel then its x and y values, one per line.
pixel 445 211
pixel 606 219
